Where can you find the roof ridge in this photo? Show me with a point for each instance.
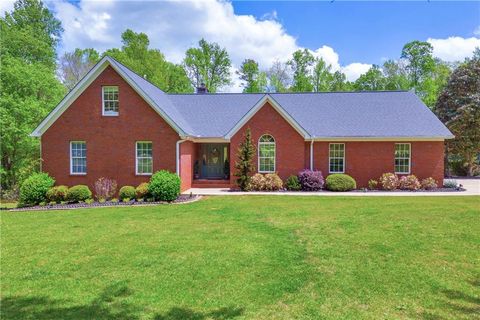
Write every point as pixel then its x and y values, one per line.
pixel 272 93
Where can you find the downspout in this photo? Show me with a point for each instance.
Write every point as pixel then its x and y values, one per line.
pixel 311 155
pixel 177 152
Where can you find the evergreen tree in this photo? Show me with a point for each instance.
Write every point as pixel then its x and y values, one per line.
pixel 244 165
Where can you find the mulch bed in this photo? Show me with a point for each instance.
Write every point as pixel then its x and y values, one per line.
pixel 183 198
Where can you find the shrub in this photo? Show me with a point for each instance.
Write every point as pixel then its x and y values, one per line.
pixel 141 191
pixel 372 184
pixel 126 192
pixel 429 183
pixel 273 182
pixel 450 183
pixel 79 193
pixel 293 184
pixel 89 201
pixel 164 186
pixel 340 182
pixel 105 188
pixel 389 181
pixel 257 182
pixel 34 189
pixel 311 180
pixel 57 194
pixel 409 182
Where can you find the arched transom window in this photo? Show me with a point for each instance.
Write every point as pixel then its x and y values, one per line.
pixel 266 154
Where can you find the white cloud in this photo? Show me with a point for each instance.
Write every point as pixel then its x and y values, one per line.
pixel 454 48
pixel 6 5
pixel 477 31
pixel 329 56
pixel 354 70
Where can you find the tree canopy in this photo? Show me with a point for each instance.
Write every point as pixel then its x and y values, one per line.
pixel 150 63
pixel 208 64
pixel 29 88
pixel 459 108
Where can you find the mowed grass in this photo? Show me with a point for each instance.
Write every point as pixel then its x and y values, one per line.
pixel 253 257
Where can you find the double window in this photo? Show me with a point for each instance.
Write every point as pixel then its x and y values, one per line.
pixel 143 158
pixel 78 157
pixel 336 158
pixel 266 154
pixel 402 158
pixel 110 100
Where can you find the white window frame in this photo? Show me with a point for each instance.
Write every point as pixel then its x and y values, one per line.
pixel 71 159
pixel 136 159
pixel 274 153
pixel 409 158
pixel 110 113
pixel 331 158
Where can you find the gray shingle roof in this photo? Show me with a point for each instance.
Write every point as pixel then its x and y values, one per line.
pixel 379 114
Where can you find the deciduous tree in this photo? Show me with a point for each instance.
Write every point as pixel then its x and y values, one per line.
pixel 74 65
pixel 29 88
pixel 208 64
pixel 459 108
pixel 150 63
pixel 300 64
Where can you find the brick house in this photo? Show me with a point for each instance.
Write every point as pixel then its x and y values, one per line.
pixel 116 124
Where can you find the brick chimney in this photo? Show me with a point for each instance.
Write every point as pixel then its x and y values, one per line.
pixel 202 89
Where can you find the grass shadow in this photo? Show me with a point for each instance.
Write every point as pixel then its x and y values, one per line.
pixel 188 314
pixel 109 304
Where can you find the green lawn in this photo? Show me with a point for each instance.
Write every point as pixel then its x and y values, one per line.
pixel 254 257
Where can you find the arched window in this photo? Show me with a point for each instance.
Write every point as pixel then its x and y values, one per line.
pixel 266 154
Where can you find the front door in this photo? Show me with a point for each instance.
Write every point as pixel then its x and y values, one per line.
pixel 213 160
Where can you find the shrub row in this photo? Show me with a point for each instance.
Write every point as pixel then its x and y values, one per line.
pixel 39 189
pixel 306 180
pixel 390 181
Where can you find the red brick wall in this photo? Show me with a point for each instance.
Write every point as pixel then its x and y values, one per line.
pixel 368 160
pixel 110 140
pixel 290 145
pixel 187 154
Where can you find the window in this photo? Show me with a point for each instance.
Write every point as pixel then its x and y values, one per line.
pixel 336 158
pixel 266 154
pixel 78 157
pixel 143 159
pixel 110 101
pixel 402 158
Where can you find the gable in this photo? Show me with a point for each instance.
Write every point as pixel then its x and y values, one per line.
pixel 85 113
pixel 88 79
pixel 269 103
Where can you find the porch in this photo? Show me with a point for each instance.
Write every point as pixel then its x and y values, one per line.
pixel 211 165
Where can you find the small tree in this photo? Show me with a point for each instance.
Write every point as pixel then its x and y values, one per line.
pixel 244 165
pixel 459 108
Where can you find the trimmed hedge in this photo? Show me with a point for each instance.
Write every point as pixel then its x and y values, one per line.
pixel 126 192
pixel 340 182
pixel 79 193
pixel 57 194
pixel 164 186
pixel 34 189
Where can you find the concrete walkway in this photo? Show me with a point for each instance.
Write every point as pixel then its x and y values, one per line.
pixel 472 187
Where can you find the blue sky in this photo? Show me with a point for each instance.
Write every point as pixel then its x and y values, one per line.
pixel 350 36
pixel 368 31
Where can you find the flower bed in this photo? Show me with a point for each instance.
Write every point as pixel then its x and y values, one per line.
pixel 184 198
